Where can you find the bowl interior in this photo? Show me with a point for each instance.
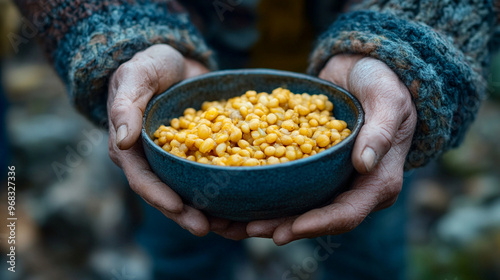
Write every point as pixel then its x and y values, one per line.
pixel 227 84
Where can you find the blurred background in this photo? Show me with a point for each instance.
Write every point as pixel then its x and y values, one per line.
pixel 77 216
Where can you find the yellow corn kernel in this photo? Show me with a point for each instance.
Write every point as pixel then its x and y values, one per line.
pixel 328 106
pixel 251 162
pixel 271 138
pixel 198 142
pixel 306 148
pixel 299 140
pixel 216 127
pixel 344 124
pixel 313 123
pixel 204 131
pixel 219 161
pixel 284 159
pixel 162 141
pixel 286 140
pixel 175 143
pixel 190 139
pixel 255 134
pixel 184 123
pixel 291 155
pixel 320 104
pixel 220 150
pixel 259 155
pixel 254 124
pixel 302 110
pixel 181 137
pixel 235 160
pixel 273 160
pixel 167 147
pixel 344 135
pixel 335 136
pixel 280 151
pixel 221 138
pixel 298 154
pixel 211 114
pixel 203 160
pixel 189 111
pixel 243 144
pixel 273 103
pixel 245 128
pixel 335 124
pixel 236 135
pixel 175 123
pixel 288 125
pixel 207 145
pixel 271 118
pixel 270 151
pixel 323 140
pixel 258 142
pixel 323 120
pixel 259 112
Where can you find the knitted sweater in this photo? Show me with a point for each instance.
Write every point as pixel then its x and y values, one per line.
pixel 439 49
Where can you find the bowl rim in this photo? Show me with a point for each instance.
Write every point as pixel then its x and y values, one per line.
pixel 257 71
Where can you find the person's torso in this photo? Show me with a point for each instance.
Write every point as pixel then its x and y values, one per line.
pixel 275 34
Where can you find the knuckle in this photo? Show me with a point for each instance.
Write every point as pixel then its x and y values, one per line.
pixel 125 69
pixel 113 154
pixel 135 186
pixel 120 106
pixel 139 73
pixel 353 216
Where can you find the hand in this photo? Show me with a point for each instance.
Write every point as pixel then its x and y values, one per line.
pixel 131 87
pixel 379 152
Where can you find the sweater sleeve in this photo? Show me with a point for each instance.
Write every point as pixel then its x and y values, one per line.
pixel 87 40
pixel 439 49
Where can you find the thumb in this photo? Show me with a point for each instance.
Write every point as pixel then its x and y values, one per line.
pixel 134 83
pixel 387 104
pixel 384 98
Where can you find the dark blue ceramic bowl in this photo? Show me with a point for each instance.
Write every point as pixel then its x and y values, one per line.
pixel 261 192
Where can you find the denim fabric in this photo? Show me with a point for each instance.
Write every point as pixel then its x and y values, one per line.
pixel 177 254
pixel 374 250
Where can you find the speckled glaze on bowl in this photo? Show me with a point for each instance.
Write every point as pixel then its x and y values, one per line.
pixel 261 192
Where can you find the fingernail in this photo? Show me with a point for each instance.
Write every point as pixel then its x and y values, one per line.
pixel 121 133
pixel 368 157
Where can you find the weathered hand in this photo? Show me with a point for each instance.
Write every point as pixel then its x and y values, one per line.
pixel 131 87
pixel 379 153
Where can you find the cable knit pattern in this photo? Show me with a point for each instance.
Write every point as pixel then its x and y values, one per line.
pixel 441 65
pixel 88 40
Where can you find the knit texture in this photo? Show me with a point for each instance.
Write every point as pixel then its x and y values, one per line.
pixel 441 67
pixel 88 40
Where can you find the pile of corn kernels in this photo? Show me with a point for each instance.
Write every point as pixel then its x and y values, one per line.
pixel 254 129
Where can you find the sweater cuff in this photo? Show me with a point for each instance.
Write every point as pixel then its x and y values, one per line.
pixel 445 89
pixel 96 46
